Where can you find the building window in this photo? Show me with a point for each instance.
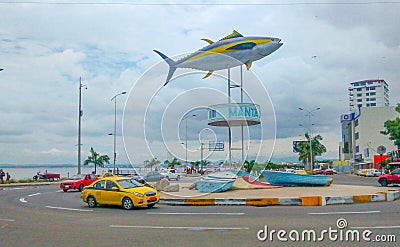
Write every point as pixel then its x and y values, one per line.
pixel 357 149
pixel 357 136
pixel 367 105
pixel 359 100
pixel 373 104
pixel 359 89
pixel 359 105
pixel 372 88
pixel 367 99
pixel 359 94
pixel 372 94
pixel 373 99
pixel 367 94
pixel 356 123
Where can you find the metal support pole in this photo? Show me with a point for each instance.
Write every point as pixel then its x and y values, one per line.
pixel 115 132
pixel 241 101
pixel 80 113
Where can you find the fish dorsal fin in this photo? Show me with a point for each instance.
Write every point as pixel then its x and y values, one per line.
pixel 208 41
pixel 234 34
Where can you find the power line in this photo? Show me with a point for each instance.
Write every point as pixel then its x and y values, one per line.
pixel 199 4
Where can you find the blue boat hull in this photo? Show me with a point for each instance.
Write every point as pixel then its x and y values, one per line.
pixel 214 186
pixel 291 179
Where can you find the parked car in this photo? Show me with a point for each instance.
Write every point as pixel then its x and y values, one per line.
pixel 126 192
pixel 48 176
pixel 390 178
pixel 77 182
pixel 289 170
pixel 328 172
pixel 301 172
pixel 360 172
pixel 152 176
pixel 318 172
pixel 171 174
pixel 373 173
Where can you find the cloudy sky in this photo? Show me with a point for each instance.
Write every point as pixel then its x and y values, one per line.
pixel 46 46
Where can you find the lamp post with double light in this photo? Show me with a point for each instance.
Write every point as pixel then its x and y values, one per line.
pixel 309 114
pixel 80 114
pixel 115 126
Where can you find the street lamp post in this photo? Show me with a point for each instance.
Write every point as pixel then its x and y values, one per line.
pixel 80 114
pixel 115 126
pixel 186 141
pixel 309 113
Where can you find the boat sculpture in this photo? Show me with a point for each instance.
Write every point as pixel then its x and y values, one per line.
pixel 216 182
pixel 292 179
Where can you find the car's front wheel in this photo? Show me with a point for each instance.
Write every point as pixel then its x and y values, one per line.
pixel 127 203
pixel 91 201
pixel 81 187
pixel 178 177
pixel 383 182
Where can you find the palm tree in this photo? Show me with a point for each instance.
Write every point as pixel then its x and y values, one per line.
pixel 248 165
pixel 304 148
pixel 96 159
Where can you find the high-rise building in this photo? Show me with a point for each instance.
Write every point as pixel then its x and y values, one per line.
pixel 368 93
pixel 361 128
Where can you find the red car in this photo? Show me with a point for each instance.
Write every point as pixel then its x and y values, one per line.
pixel 328 172
pixel 317 171
pixel 391 178
pixel 78 182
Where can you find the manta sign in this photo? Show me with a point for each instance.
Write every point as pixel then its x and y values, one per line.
pixel 234 114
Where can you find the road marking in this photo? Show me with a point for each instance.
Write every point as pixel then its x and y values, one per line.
pixel 9 220
pixel 375 227
pixel 183 227
pixel 360 212
pixel 196 213
pixel 22 200
pixel 70 209
pixel 34 194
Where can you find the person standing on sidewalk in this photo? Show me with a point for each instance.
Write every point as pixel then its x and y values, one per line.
pixel 8 176
pixel 2 174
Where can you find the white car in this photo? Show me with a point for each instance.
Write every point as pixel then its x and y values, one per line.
pixel 171 175
pixel 373 173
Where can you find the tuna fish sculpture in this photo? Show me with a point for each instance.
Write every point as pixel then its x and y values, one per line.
pixel 235 49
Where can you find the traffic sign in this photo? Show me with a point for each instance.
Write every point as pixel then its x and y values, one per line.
pixel 381 150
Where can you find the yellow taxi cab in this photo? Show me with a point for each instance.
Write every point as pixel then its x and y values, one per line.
pixel 114 190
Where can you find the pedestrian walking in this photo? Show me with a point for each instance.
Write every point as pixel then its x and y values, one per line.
pixel 2 174
pixel 8 176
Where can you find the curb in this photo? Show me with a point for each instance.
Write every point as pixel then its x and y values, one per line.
pixel 386 196
pixel 2 186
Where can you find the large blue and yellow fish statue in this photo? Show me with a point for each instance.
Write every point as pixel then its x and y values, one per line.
pixel 236 50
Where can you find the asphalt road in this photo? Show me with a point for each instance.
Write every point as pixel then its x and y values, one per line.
pixel 45 216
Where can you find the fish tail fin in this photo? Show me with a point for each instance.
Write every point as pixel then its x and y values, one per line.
pixel 170 62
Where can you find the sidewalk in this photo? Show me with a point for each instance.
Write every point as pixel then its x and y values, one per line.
pixel 300 196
